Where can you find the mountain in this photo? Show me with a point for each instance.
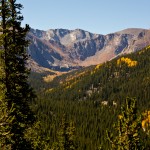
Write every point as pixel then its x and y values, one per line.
pixel 91 98
pixel 63 50
pixel 126 75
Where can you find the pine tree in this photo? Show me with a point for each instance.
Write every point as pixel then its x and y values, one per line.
pixel 128 128
pixel 35 135
pixel 5 117
pixel 5 123
pixel 16 90
pixel 66 136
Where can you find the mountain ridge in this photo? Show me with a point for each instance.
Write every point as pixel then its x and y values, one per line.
pixel 64 50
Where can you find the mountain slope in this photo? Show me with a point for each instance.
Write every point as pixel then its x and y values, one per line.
pixel 124 76
pixel 63 50
pixel 91 97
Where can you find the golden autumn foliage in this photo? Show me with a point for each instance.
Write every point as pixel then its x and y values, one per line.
pixel 50 78
pixel 73 80
pixel 142 51
pixel 70 85
pixel 146 120
pixel 98 66
pixel 120 116
pixel 93 72
pixel 127 61
pixel 49 90
pixel 75 76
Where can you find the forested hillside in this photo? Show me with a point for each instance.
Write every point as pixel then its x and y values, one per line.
pixel 92 97
pixel 106 106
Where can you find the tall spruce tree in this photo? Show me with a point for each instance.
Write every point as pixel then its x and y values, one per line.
pixel 16 91
pixel 66 136
pixel 128 128
pixel 5 117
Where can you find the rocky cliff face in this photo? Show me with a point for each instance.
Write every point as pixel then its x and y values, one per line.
pixel 62 49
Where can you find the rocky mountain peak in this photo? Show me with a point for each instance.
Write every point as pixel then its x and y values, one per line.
pixel 68 49
pixel 133 31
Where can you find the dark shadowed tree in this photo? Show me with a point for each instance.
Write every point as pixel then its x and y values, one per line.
pixel 17 93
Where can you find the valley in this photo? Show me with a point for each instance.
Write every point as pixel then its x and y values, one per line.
pixel 91 97
pixel 65 88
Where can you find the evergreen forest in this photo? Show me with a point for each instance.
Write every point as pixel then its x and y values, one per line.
pixel 102 107
pixel 92 97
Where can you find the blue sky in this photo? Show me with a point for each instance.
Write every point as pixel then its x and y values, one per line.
pixel 96 16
